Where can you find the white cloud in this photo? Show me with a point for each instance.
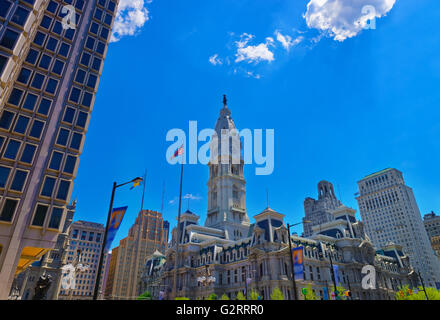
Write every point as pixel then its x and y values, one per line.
pixel 251 53
pixel 131 16
pixel 343 19
pixel 286 41
pixel 215 60
pixel 191 196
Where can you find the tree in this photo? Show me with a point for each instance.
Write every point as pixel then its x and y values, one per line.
pixel 276 294
pixel 181 298
pixel 212 296
pixel 309 293
pixel 145 296
pixel 224 297
pixel 405 293
pixel 254 295
pixel 240 296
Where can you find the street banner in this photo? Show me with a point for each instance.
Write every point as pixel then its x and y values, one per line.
pixel 335 270
pixel 298 263
pixel 114 224
pixel 325 293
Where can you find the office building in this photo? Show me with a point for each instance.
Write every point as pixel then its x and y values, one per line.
pixel 49 76
pixel 391 214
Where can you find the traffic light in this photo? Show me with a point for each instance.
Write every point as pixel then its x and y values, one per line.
pixel 304 291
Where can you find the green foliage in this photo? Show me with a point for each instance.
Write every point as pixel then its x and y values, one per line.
pixel 276 294
pixel 309 293
pixel 405 293
pixel 240 296
pixel 224 297
pixel 212 296
pixel 145 296
pixel 181 298
pixel 254 295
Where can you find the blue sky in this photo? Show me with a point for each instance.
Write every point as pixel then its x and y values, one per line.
pixel 341 106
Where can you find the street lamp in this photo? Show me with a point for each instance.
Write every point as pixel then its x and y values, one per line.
pixel 295 294
pixel 321 255
pixel 135 182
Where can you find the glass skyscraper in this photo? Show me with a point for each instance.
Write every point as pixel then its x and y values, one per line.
pixel 51 57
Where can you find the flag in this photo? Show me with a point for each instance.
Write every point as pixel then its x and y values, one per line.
pixel 178 152
pixel 136 184
pixel 115 222
pixel 298 263
pixel 325 293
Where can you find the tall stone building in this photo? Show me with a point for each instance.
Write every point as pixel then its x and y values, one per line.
pixel 391 214
pixel 432 224
pixel 226 184
pixel 51 264
pixel 318 212
pixel 85 239
pixel 49 76
pixel 148 234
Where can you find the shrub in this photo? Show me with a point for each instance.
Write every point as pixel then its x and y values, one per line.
pixel 240 296
pixel 276 294
pixel 224 297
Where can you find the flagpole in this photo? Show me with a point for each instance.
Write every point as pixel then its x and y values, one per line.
pixel 178 234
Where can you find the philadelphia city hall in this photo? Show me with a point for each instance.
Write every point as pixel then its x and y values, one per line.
pixel 230 254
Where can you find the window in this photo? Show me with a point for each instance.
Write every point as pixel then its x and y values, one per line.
pixel 104 33
pixel 68 115
pixel 39 38
pixel 5 5
pixel 48 186
pixel 74 95
pixel 19 180
pixel 55 219
pixel 55 162
pixel 44 106
pixel 69 34
pixel 8 210
pixel 57 27
pixel 90 43
pixel 52 84
pixel 58 67
pixel 45 23
pixel 51 44
pixel 63 190
pixel 12 149
pixel 32 56
pixel 45 62
pixel 4 175
pixel 82 119
pixel 91 235
pixel 28 153
pixel 9 39
pixel 64 50
pixel 76 141
pixel 100 47
pixel 80 76
pixel 3 61
pixel 94 28
pixel 24 75
pixel 92 81
pixel 98 237
pixel 108 19
pixel 29 102
pixel 98 14
pixel 69 167
pixel 83 235
pixel 37 82
pixel 37 128
pixel 52 7
pixel 75 234
pixel 87 99
pixel 15 96
pixel 21 125
pixel 40 215
pixel 20 16
pixel 85 59
pixel 62 137
pixel 6 119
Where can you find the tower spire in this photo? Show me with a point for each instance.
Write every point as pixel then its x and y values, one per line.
pixel 225 101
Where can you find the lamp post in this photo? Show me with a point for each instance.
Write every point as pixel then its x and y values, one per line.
pixel 321 255
pixel 295 294
pixel 423 284
pixel 101 257
pixel 206 278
